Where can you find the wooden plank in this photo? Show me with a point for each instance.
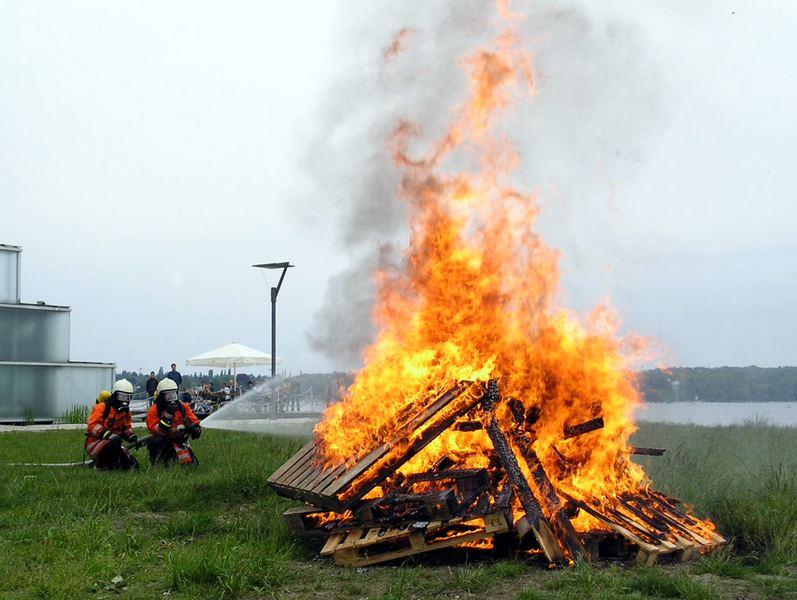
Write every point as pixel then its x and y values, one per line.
pixel 400 436
pixel 420 438
pixel 326 476
pixel 653 537
pixel 682 537
pixel 313 472
pixel 277 475
pixel 325 502
pixel 416 543
pixel 302 510
pixel 647 451
pixel 332 543
pixel 559 522
pixel 294 516
pixel 644 546
pixel 658 500
pixel 372 537
pixel 672 522
pixel 536 520
pixel 337 484
pixel 582 428
pixel 353 536
pixel 646 557
pixel 297 469
pixel 304 479
pixel 298 474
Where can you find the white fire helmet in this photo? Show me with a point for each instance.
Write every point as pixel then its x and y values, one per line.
pixel 123 385
pixel 165 386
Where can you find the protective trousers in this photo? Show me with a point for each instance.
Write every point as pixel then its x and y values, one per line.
pixel 112 455
pixel 163 450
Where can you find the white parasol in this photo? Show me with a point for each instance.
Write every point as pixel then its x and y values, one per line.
pixel 231 356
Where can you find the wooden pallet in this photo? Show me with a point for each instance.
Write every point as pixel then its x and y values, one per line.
pixel 644 523
pixel 341 487
pixel 655 527
pixel 368 546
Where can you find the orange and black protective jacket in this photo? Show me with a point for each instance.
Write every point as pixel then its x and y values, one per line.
pixel 183 416
pixel 105 419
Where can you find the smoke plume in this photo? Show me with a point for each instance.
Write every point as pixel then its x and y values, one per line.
pixel 594 111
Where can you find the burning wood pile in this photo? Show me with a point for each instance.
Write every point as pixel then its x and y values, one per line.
pixel 373 512
pixel 486 412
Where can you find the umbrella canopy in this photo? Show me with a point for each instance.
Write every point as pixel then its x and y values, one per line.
pixel 232 355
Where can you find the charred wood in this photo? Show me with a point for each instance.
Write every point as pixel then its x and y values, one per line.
pixel 478 475
pixel 438 420
pixel 468 426
pixel 535 518
pixel 559 519
pixel 446 462
pixel 532 416
pixel 518 411
pixel 582 428
pixel 648 451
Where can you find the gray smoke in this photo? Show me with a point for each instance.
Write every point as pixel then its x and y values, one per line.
pixel 595 105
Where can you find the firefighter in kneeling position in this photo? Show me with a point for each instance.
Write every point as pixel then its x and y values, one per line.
pixel 110 424
pixel 171 423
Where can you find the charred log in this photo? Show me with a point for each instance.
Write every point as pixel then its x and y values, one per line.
pixel 553 507
pixel 582 428
pixel 535 518
pixel 648 451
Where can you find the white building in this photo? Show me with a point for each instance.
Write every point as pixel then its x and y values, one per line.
pixel 37 380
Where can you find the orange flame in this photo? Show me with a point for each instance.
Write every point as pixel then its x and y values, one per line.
pixel 476 300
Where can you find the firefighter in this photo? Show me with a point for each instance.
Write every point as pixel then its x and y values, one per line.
pixel 109 424
pixel 171 423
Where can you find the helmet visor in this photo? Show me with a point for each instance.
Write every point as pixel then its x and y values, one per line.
pixel 123 399
pixel 169 396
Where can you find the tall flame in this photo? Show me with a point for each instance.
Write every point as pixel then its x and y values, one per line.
pixel 476 300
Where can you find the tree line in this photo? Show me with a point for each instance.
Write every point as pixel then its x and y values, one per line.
pixel 724 384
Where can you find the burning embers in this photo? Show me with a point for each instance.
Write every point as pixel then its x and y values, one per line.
pixel 373 509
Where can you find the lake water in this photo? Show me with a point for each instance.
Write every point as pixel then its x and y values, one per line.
pixel 697 413
pixel 720 413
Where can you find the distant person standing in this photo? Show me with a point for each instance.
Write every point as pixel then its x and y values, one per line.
pixel 152 385
pixel 175 376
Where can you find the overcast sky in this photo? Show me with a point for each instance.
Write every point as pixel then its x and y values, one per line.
pixel 151 152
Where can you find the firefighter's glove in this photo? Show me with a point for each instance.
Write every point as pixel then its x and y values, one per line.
pixel 133 438
pixel 166 423
pixel 180 428
pixel 195 433
pixel 115 440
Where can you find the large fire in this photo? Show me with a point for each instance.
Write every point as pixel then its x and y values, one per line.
pixel 477 300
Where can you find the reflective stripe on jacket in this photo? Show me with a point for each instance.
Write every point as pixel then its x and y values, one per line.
pixel 185 416
pixel 115 422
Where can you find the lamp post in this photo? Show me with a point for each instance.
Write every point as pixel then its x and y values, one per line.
pixel 274 291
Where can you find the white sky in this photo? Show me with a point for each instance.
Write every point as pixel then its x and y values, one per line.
pixel 151 152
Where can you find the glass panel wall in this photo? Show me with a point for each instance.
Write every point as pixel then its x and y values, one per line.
pixel 46 392
pixel 32 334
pixel 9 273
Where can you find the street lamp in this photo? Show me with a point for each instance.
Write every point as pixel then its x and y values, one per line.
pixel 274 291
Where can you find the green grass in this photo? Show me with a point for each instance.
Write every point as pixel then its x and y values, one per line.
pixel 743 477
pixel 217 531
pixel 214 531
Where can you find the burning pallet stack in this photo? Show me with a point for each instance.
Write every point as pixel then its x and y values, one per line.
pixel 371 513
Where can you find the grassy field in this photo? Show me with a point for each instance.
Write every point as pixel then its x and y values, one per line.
pixel 217 531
